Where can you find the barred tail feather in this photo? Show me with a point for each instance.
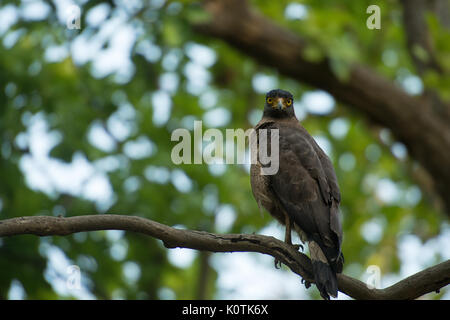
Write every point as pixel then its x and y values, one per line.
pixel 324 275
pixel 325 279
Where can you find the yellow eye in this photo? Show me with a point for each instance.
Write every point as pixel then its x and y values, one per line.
pixel 289 102
pixel 269 100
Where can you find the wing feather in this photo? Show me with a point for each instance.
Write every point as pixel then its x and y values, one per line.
pixel 306 186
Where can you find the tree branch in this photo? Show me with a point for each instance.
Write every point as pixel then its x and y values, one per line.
pixel 428 280
pixel 420 48
pixel 412 120
pixel 417 35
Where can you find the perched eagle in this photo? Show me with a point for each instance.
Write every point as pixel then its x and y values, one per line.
pixel 304 193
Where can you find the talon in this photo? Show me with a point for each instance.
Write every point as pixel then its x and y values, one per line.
pixel 306 283
pixel 277 264
pixel 297 246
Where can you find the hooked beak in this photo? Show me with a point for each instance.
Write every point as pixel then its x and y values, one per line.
pixel 280 105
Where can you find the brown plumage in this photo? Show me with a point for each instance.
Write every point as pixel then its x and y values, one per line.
pixel 304 193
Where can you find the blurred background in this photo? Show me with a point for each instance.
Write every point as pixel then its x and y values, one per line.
pixel 86 117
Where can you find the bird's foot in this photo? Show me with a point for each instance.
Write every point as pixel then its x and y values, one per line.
pixel 277 263
pixel 297 246
pixel 306 283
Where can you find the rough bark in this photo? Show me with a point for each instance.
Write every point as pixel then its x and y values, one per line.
pixel 428 280
pixel 413 120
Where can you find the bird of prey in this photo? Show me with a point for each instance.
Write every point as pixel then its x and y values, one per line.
pixel 303 194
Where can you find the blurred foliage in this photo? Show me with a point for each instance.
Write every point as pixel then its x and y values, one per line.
pixel 69 100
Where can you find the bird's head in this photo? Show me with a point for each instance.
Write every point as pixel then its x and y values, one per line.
pixel 279 104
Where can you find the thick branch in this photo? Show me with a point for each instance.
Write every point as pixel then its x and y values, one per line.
pixel 420 48
pixel 418 38
pixel 428 280
pixel 412 120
